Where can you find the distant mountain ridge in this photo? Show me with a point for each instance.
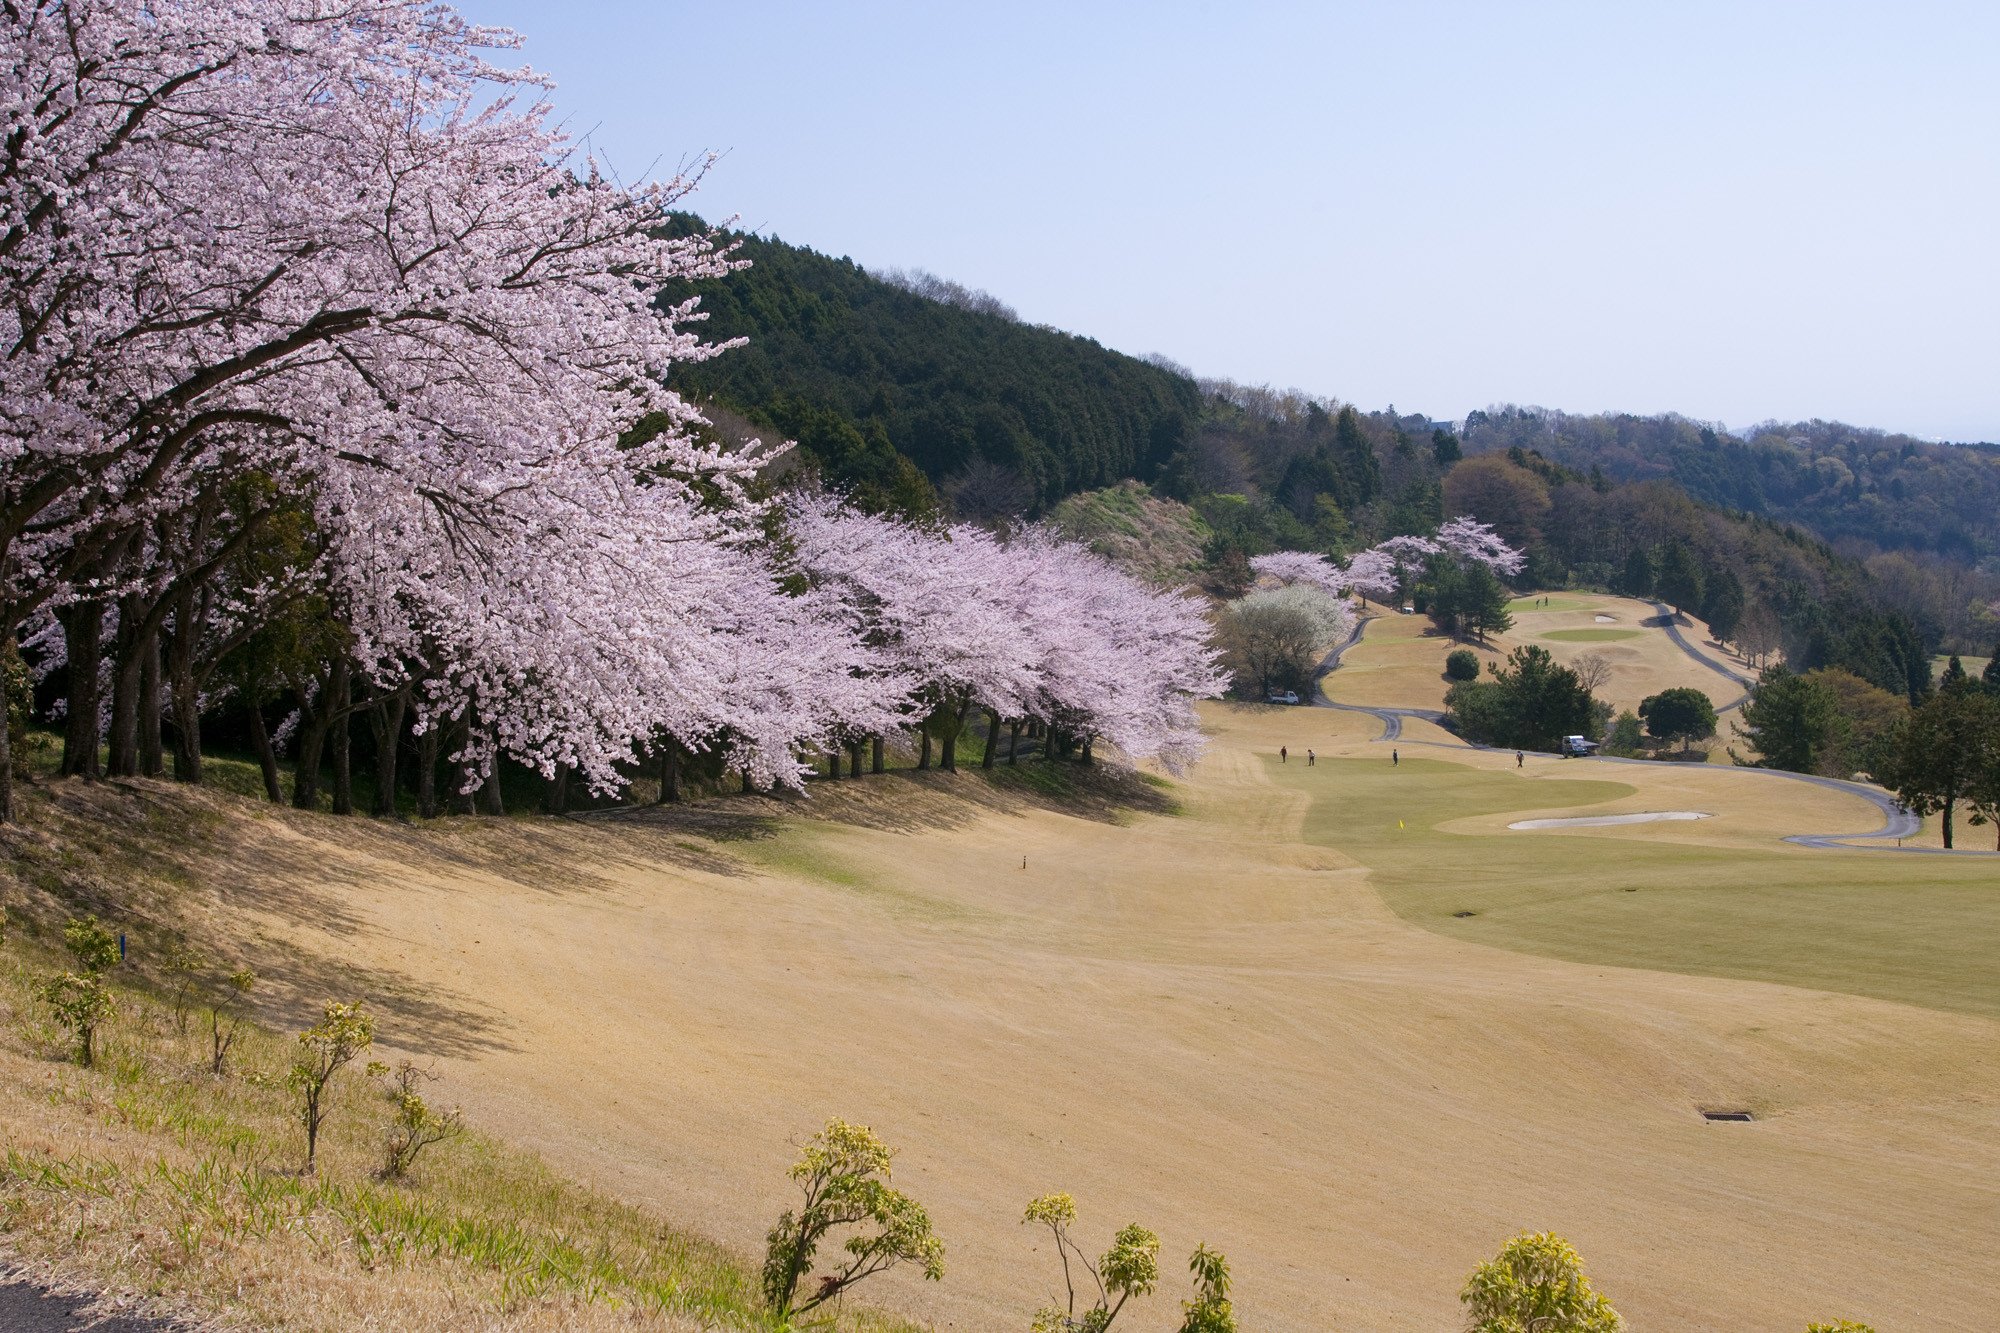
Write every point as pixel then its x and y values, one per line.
pixel 1842 482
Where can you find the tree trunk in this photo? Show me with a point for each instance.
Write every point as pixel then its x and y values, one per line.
pixel 152 751
pixel 833 763
pixel 1014 742
pixel 876 763
pixel 992 737
pixel 489 790
pixel 83 633
pixel 1949 802
pixel 267 758
pixel 555 792
pixel 6 734
pixel 184 697
pixel 312 746
pixel 924 754
pixel 427 763
pixel 670 772
pixel 854 760
pixel 126 654
pixel 340 696
pixel 749 784
pixel 386 719
pixel 1085 756
pixel 464 792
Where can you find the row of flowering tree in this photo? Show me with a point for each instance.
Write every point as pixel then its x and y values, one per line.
pixel 324 350
pixel 1390 569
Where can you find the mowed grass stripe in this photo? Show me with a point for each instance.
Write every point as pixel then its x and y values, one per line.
pixel 1590 635
pixel 1913 929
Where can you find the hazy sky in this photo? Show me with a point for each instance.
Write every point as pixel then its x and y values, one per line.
pixel 1735 211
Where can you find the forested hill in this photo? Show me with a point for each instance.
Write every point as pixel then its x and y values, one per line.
pixel 878 382
pixel 1892 491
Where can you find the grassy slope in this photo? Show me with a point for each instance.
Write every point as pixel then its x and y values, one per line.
pixel 149 1177
pixel 1916 930
pixel 1159 540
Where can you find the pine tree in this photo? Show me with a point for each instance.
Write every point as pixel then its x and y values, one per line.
pixel 1790 720
pixel 1639 574
pixel 1680 578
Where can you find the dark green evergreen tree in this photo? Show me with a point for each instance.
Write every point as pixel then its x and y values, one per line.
pixel 1946 752
pixel 1789 720
pixel 1445 448
pixel 1485 600
pixel 1639 575
pixel 1722 603
pixel 1679 583
pixel 1681 714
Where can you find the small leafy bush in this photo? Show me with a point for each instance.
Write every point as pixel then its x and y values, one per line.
pixel 326 1048
pixel 225 1017
pixel 1536 1284
pixel 93 946
pixel 1131 1267
pixel 843 1176
pixel 81 1005
pixel 1462 664
pixel 416 1126
pixel 1210 1310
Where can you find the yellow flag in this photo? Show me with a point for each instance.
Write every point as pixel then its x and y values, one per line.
pixel 1399 823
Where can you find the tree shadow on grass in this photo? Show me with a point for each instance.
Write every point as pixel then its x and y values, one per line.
pixel 910 801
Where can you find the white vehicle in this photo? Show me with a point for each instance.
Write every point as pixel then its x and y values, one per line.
pixel 1577 746
pixel 1283 697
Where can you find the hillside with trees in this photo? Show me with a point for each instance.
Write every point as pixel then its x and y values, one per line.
pixel 902 384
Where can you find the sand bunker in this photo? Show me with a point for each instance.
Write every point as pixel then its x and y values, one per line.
pixel 1605 821
pixel 1604 620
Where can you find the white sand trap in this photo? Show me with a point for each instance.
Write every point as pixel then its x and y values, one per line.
pixel 1605 821
pixel 1604 620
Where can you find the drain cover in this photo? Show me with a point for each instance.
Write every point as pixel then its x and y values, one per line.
pixel 1731 1116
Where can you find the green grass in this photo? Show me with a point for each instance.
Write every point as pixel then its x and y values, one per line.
pixel 1556 602
pixel 1591 635
pixel 1916 929
pixel 1974 666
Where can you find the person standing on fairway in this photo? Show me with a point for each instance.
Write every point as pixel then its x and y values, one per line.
pixel 1282 756
pixel 1520 760
pixel 1394 759
pixel 1310 758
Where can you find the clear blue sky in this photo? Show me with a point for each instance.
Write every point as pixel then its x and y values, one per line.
pixel 1736 210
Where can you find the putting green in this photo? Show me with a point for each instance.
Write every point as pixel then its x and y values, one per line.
pixel 1552 603
pixel 1591 635
pixel 1913 929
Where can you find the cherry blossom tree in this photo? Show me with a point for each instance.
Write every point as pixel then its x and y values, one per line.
pixel 1384 570
pixel 322 242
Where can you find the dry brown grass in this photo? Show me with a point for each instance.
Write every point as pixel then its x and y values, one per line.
pixel 179 1192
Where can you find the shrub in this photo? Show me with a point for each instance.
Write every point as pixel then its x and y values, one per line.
pixel 1210 1310
pixel 1536 1283
pixel 1626 738
pixel 843 1174
pixel 82 1005
pixel 416 1126
pixel 93 946
pixel 1131 1267
pixel 1462 664
pixel 78 999
pixel 225 1015
pixel 342 1033
pixel 1681 714
pixel 1839 1326
pixel 184 967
